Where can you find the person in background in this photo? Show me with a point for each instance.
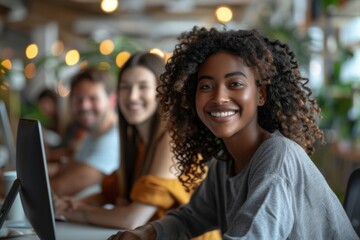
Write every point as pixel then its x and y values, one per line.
pixel 60 144
pixel 47 102
pixel 239 97
pixel 92 103
pixel 45 109
pixel 144 187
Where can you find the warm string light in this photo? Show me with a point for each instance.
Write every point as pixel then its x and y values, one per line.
pixel 223 14
pixel 158 52
pixel 121 58
pixel 109 6
pixel 6 63
pixel 32 51
pixel 106 47
pixel 72 57
pixel 30 71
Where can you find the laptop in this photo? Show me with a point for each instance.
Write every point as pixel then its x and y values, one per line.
pixel 35 194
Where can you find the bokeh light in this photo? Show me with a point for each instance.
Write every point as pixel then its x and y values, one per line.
pixel 158 52
pixel 106 47
pixel 109 6
pixel 32 51
pixel 72 57
pixel 223 14
pixel 30 70
pixel 121 58
pixel 6 63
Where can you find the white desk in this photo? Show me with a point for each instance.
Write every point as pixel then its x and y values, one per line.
pixel 72 231
pixel 67 231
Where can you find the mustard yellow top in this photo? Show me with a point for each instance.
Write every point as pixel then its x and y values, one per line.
pixel 164 193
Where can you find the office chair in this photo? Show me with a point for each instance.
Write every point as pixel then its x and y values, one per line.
pixel 352 200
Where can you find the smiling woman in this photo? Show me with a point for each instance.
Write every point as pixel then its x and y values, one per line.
pixel 136 94
pixel 239 97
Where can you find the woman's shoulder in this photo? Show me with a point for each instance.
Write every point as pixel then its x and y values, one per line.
pixel 277 142
pixel 278 152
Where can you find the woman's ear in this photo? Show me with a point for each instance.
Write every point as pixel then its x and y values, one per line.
pixel 261 96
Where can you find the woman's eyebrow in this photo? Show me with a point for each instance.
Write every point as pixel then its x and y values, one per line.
pixel 234 74
pixel 205 77
pixel 226 75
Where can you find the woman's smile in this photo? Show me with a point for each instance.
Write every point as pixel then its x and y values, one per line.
pixel 222 114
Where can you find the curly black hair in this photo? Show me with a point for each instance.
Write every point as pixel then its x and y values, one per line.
pixel 289 105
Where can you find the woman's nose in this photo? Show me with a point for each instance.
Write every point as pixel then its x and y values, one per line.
pixel 134 93
pixel 221 96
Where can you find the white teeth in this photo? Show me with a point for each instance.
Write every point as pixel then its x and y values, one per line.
pixel 222 114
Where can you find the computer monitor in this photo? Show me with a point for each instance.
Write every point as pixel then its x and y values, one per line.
pixel 33 185
pixel 7 136
pixel 33 179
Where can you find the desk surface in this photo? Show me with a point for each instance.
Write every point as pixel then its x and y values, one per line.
pixel 66 231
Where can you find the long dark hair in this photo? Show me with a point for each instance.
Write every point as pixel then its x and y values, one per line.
pixel 129 136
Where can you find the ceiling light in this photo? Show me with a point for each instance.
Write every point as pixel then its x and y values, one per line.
pixel 223 14
pixel 109 6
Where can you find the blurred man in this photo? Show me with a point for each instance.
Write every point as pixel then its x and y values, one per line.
pixel 92 103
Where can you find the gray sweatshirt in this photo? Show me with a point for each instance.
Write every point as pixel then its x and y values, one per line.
pixel 279 195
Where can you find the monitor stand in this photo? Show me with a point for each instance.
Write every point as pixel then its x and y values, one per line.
pixel 9 200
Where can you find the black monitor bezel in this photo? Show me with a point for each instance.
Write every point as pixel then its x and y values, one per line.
pixel 31 168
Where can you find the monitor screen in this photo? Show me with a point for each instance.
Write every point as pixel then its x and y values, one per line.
pixel 32 172
pixel 6 136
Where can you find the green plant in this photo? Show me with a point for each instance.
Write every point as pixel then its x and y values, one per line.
pixel 335 101
pixel 335 98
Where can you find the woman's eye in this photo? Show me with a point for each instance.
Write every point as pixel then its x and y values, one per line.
pixel 237 84
pixel 204 86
